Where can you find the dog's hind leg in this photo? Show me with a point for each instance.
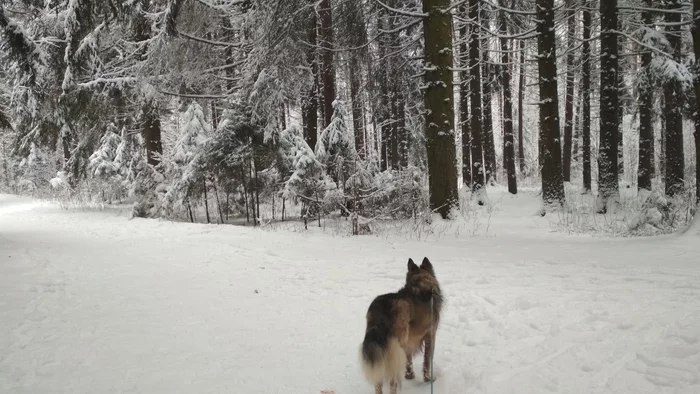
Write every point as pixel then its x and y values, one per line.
pixel 394 386
pixel 378 388
pixel 409 366
pixel 429 342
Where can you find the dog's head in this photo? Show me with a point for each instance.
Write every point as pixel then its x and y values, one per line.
pixel 422 280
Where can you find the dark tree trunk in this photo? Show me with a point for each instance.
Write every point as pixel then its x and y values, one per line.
pixel 327 70
pixel 552 177
pixel 521 97
pixel 508 142
pixel 206 200
pixel 464 100
pixel 442 170
pixel 586 91
pixel 358 121
pixel 569 104
pixel 646 106
pixel 395 116
pixel 489 142
pixel 151 131
pixel 310 104
pixel 675 157
pixel 696 85
pixel 609 121
pixel 477 155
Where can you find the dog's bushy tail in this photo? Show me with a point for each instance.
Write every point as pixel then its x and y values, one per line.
pixel 382 356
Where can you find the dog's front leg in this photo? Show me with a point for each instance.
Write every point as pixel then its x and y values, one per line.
pixel 429 341
pixel 409 366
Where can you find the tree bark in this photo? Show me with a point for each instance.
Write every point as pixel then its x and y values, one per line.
pixel 325 14
pixel 609 121
pixel 552 177
pixel 310 104
pixel 675 156
pixel 521 98
pixel 477 154
pixel 569 104
pixel 442 170
pixel 487 128
pixel 464 100
pixel 509 147
pixel 696 84
pixel 586 88
pixel 646 106
pixel 358 118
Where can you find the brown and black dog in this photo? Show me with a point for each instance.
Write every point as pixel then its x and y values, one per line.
pixel 399 325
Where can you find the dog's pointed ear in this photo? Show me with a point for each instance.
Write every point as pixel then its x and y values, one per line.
pixel 426 265
pixel 412 267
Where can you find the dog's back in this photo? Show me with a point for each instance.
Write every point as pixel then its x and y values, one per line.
pixel 383 358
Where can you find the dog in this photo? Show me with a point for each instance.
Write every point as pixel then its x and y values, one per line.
pixel 400 325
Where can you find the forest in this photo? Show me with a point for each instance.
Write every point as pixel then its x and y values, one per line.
pixel 251 111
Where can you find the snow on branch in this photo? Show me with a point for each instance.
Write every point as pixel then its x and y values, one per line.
pixel 402 12
pixel 21 48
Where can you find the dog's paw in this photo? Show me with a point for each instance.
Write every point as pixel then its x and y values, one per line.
pixel 410 375
pixel 426 378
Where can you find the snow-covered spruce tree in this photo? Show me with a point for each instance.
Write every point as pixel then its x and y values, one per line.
pixel 36 170
pixel 335 147
pixel 308 182
pixel 188 181
pixel 104 166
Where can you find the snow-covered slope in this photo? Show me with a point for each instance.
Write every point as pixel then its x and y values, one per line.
pixel 91 302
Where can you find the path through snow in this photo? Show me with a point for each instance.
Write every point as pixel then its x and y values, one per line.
pixel 91 302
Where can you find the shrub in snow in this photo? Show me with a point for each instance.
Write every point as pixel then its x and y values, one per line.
pixel 659 215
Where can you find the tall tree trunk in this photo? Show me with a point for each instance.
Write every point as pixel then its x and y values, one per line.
pixel 569 104
pixel 646 106
pixel 509 146
pixel 442 170
pixel 327 70
pixel 586 90
pixel 478 173
pixel 521 98
pixel 394 108
pixel 675 157
pixel 609 121
pixel 206 199
pixel 696 84
pixel 310 104
pixel 552 177
pixel 358 118
pixel 464 99
pixel 403 133
pixel 151 131
pixel 487 128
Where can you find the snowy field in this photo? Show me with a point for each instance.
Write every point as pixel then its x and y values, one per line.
pixel 91 302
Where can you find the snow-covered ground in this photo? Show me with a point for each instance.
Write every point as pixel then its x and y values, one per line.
pixel 91 302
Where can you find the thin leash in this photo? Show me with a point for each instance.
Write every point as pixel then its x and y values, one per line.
pixel 432 342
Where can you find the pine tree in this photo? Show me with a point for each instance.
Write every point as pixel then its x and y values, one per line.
pixel 646 103
pixel 608 187
pixel 675 156
pixel 475 127
pixel 586 88
pixel 696 84
pixel 569 98
pixel 508 141
pixel 552 177
pixel 439 119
